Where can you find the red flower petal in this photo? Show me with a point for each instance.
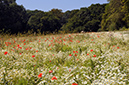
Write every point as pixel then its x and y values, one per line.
pixel 75 54
pixel 5 53
pixel 40 75
pixel 70 54
pixel 69 69
pixel 94 56
pixel 54 78
pixel 50 71
pixel 33 55
pixel 91 50
pixel 74 84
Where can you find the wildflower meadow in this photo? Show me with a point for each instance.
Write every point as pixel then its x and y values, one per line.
pixel 95 58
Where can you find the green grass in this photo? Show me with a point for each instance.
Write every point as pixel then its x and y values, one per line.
pixel 84 59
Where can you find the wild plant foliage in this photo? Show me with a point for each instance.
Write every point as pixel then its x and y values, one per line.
pixel 69 59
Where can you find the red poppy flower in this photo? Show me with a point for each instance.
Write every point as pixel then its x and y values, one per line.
pixel 26 48
pixel 40 75
pixel 18 45
pixel 54 78
pixel 94 56
pixel 74 84
pixel 50 71
pixel 71 41
pixel 5 53
pixel 70 54
pixel 78 41
pixel 76 51
pixel 87 53
pixel 24 40
pixel 9 43
pixel 73 51
pixel 75 55
pixel 117 47
pixel 69 69
pixel 91 50
pixel 33 55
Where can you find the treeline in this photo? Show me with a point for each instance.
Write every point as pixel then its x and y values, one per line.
pixel 116 15
pixel 15 18
pixel 85 19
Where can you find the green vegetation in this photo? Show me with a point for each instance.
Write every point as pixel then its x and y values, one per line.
pixel 116 15
pixel 16 19
pixel 30 57
pixel 84 59
pixel 86 19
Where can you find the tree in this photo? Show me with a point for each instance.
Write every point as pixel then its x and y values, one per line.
pixel 50 23
pixel 34 21
pixel 85 19
pixel 68 15
pixel 45 21
pixel 4 8
pixel 116 15
pixel 125 10
pixel 12 17
pixel 7 2
pixel 18 18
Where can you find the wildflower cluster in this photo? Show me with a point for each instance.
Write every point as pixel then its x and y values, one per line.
pixel 70 59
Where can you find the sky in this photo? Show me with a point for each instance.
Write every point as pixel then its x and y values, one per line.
pixel 64 5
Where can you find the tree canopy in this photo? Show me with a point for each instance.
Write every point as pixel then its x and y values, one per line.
pixel 112 16
pixel 116 15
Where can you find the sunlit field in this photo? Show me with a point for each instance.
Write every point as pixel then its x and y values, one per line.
pixel 67 59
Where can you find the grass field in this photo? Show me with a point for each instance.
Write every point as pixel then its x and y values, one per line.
pixel 67 59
